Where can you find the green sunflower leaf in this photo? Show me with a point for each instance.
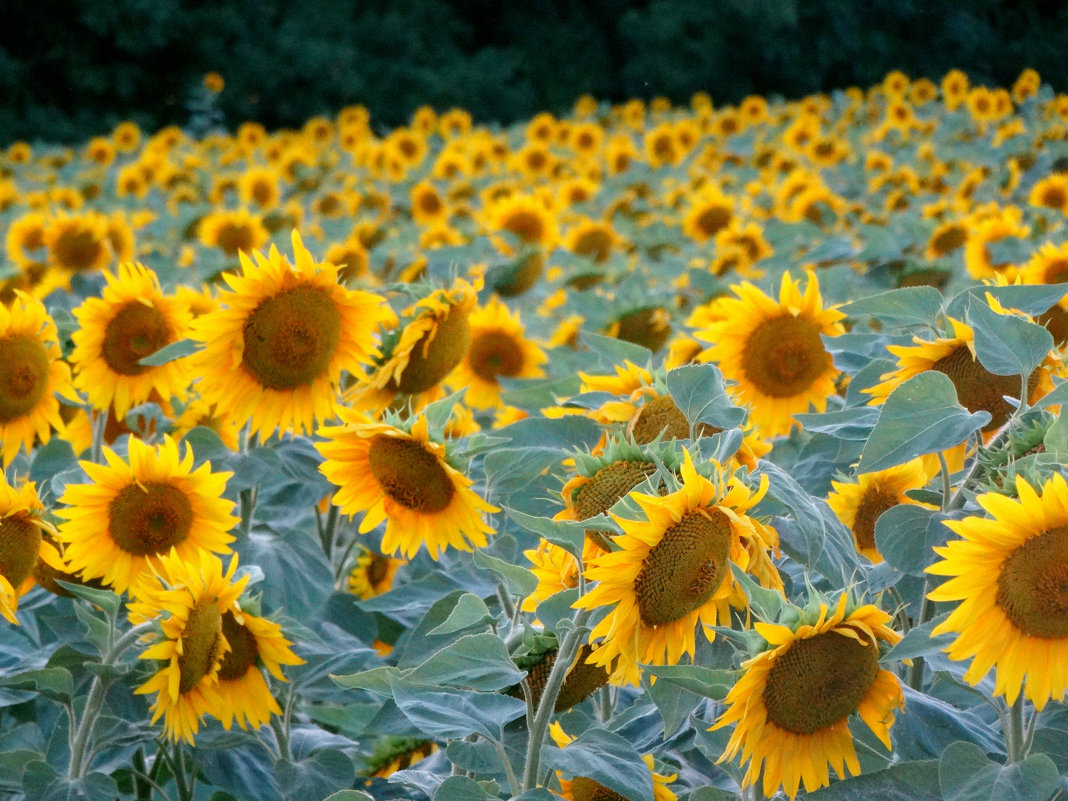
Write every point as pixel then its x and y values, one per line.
pixel 455 714
pixel 476 662
pixel 470 610
pixel 325 771
pixel 914 305
pixel 608 759
pixel 965 773
pixel 173 352
pixel 106 600
pixel 462 788
pixel 699 392
pixel 921 416
pixel 519 581
pixel 1006 344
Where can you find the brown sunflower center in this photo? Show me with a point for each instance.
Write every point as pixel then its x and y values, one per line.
pixel 201 645
pixel 1033 585
pixel 874 503
pixel 436 353
pixel 713 219
pixel 377 569
pixel 949 239
pixel 604 488
pixel 429 203
pixel 660 415
pixel 150 518
pixel 527 225
pixel 78 249
pixel 594 243
pixel 684 569
pixel 1056 272
pixel 291 337
pixel 23 375
pixel 644 327
pixel 493 354
pixel 784 356
pixel 410 474
pixel 586 789
pixel 234 236
pixel 818 681
pixel 1053 197
pixel 243 651
pixel 1056 322
pixel 135 332
pixel 978 389
pixel 20 542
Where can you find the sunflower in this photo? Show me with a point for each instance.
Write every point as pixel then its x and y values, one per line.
pixel 352 260
pixel 859 503
pixel 946 238
pixel 404 478
pixel 397 753
pixel 1049 265
pixel 592 239
pixel 1004 224
pixel 673 570
pixel 206 415
pixel 133 512
pixel 78 243
pixel 232 231
pixel 649 326
pixel 260 186
pixel 977 388
pixel 434 340
pixel 1008 573
pixel 773 351
pixel 954 89
pixel 189 596
pixel 583 788
pixel 31 373
pixel 133 319
pixel 498 350
pixel 525 218
pixel 428 206
pixel 23 543
pixel 276 354
pixel 793 703
pixel 708 214
pixel 243 693
pixel 1051 193
pixel 556 569
pixel 373 573
pixel 24 241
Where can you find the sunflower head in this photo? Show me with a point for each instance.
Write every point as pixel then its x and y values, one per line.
pixel 233 231
pixel 794 699
pixel 21 540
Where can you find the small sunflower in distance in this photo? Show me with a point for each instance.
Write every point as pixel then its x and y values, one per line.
pixel 773 351
pixel 133 319
pixel 1009 573
pixel 673 570
pixel 583 788
pixel 275 354
pixel 373 573
pixel 243 693
pixel 404 478
pixel 793 703
pixel 133 512
pixel 859 503
pixel 190 597
pixel 31 373
pixel 499 349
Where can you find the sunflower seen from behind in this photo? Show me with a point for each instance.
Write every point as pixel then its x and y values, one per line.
pixel 672 570
pixel 31 374
pixel 131 320
pixel 1008 574
pixel 773 351
pixel 402 477
pixel 275 353
pixel 189 597
pixel 141 509
pixel 793 702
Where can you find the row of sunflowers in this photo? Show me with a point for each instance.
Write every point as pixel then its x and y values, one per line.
pixel 648 452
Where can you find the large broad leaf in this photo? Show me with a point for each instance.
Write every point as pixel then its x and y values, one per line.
pixel 919 642
pixel 698 391
pixel 470 611
pixel 606 758
pixel 324 772
pixel 916 305
pixel 241 766
pixel 920 416
pixel 695 679
pixel 476 662
pixel 40 782
pixel 674 704
pixel 462 788
pixel 926 726
pixel 906 781
pixel 1006 344
pixel 298 577
pixel 455 713
pixel 901 537
pixel 517 579
pixel 967 774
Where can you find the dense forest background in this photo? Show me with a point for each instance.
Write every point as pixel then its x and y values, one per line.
pixel 71 68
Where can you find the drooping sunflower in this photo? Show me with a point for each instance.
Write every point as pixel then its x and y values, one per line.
pixel 276 354
pixel 673 570
pixel 373 573
pixel 434 340
pixel 583 788
pixel 404 478
pixel 21 543
pixel 232 231
pixel 134 512
pixel 773 351
pixel 793 703
pixel 133 319
pixel 243 693
pixel 556 569
pixel 859 503
pixel 499 349
pixel 977 388
pixel 190 597
pixel 1008 572
pixel 31 374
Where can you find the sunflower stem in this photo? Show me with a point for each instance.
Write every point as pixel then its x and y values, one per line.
pixel 926 610
pixel 1014 734
pixel 513 783
pixel 947 490
pixel 540 724
pixel 95 702
pixel 604 707
pixel 506 602
pixel 280 737
pixel 100 424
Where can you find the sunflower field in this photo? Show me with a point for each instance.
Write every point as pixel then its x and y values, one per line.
pixel 647 452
